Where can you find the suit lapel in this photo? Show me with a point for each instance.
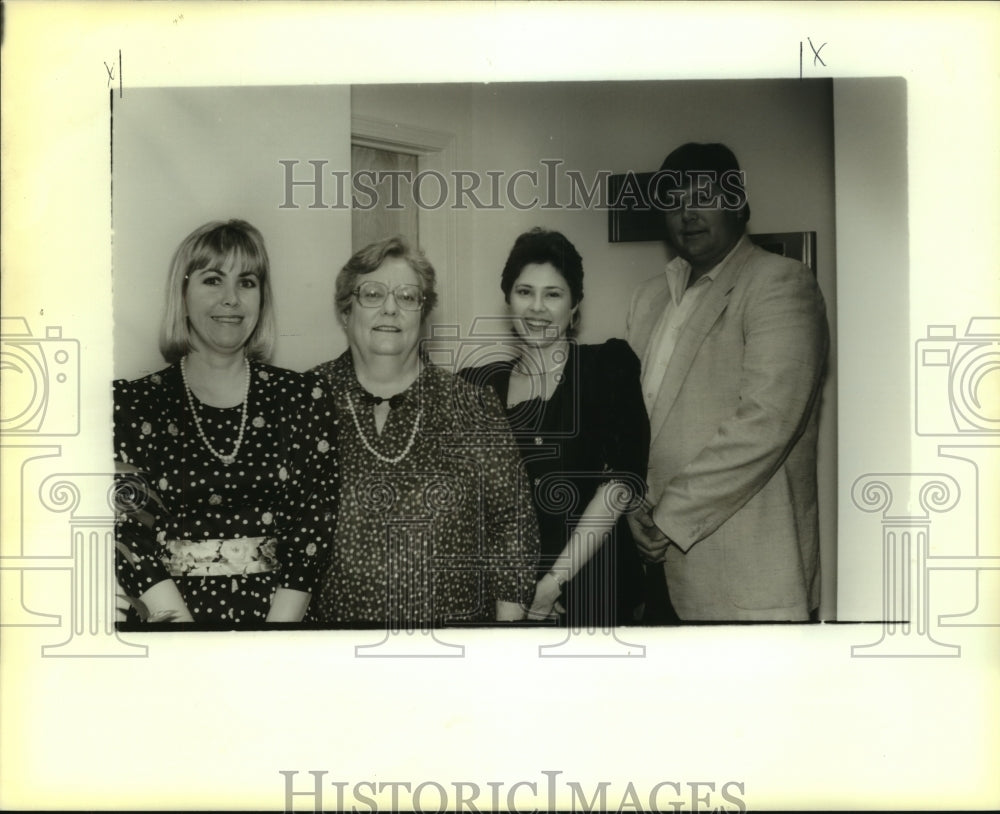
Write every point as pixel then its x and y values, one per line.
pixel 705 315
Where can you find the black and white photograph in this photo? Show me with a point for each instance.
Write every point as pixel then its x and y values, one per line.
pixel 530 406
pixel 506 224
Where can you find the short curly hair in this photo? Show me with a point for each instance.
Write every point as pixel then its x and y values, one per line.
pixel 544 246
pixel 374 255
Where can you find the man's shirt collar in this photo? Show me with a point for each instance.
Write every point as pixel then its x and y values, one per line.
pixel 678 273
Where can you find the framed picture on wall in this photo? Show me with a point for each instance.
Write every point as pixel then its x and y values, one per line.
pixel 638 219
pixel 635 218
pixel 800 246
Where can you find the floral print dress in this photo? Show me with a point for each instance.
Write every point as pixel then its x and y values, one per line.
pixel 435 520
pixel 228 535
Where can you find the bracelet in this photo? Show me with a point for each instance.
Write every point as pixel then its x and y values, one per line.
pixel 559 579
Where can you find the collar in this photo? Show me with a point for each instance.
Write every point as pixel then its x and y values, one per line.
pixel 372 400
pixel 678 273
pixel 359 393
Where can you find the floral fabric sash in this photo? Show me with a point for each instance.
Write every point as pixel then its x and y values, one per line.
pixel 210 558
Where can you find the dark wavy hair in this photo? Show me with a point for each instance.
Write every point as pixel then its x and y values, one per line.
pixel 714 158
pixel 544 246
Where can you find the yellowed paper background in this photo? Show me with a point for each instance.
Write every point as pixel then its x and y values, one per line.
pixel 211 720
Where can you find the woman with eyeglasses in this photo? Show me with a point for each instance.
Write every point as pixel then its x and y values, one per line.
pixel 224 463
pixel 435 522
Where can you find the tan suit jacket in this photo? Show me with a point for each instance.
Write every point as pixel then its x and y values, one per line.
pixel 732 462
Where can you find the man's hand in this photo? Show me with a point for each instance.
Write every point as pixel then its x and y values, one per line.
pixel 651 542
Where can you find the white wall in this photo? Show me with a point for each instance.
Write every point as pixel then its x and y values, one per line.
pixel 184 156
pixel 873 249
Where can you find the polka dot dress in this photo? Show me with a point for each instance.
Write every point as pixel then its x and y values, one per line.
pixel 228 535
pixel 437 537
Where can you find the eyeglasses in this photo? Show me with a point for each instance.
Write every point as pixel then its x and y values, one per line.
pixel 371 294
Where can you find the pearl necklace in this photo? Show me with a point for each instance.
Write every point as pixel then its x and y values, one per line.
pixel 371 449
pixel 226 459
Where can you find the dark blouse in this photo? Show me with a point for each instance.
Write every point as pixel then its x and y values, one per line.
pixel 593 429
pixel 443 528
pixel 181 507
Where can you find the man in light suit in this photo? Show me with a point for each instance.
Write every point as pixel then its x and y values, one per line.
pixel 733 342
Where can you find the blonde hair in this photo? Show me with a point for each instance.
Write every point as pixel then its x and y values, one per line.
pixel 212 245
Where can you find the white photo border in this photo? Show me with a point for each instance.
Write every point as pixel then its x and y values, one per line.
pixel 788 715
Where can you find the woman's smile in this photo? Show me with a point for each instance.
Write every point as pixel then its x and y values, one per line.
pixel 541 304
pixel 387 329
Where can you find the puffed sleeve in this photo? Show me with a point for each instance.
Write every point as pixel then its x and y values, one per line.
pixel 510 522
pixel 308 516
pixel 624 424
pixel 137 505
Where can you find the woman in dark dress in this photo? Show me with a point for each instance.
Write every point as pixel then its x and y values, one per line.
pixel 580 422
pixel 224 462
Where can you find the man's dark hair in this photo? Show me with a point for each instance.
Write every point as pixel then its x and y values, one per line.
pixel 693 160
